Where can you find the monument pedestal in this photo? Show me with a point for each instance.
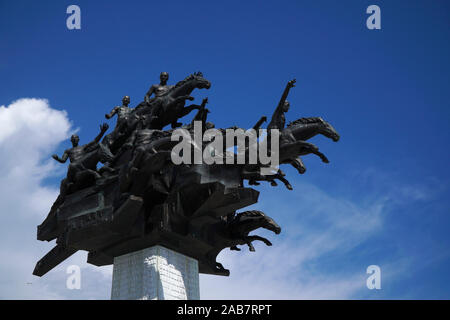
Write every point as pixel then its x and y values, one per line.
pixel 155 273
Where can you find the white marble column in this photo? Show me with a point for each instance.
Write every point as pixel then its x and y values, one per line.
pixel 155 273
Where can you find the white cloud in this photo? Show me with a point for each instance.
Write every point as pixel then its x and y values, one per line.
pixel 29 131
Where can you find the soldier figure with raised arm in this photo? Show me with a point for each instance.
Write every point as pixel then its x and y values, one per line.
pixel 80 156
pixel 278 118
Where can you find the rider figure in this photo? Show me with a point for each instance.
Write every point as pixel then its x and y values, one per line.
pixel 278 118
pixel 77 154
pixel 126 120
pixel 158 89
pixel 123 114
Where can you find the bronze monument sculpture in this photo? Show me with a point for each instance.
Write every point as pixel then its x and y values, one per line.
pixel 140 198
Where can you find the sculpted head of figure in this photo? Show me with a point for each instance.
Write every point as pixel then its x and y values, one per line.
pixel 286 106
pixel 75 139
pixel 164 76
pixel 126 100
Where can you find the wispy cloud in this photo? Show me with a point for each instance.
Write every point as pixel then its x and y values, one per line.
pixel 315 224
pixel 328 240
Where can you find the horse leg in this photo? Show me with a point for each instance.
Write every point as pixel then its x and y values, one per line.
pixel 249 239
pixel 253 177
pixel 298 164
pixel 186 110
pixel 250 246
pixel 280 176
pixel 173 105
pixel 315 150
pixel 322 156
pixel 266 241
pixel 178 100
pixel 310 148
pixel 253 182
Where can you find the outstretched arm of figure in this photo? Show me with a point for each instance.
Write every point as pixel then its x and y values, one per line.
pixel 289 85
pixel 63 159
pixel 260 122
pixel 279 108
pixel 103 129
pixel 112 113
pixel 149 93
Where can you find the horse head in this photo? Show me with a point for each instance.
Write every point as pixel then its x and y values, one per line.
pixel 248 221
pixel 186 86
pixel 306 128
pixel 201 83
pixel 329 131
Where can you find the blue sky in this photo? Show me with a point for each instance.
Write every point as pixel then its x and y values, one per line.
pixel 383 199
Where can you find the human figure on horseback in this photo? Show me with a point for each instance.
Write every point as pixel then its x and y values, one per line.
pixel 126 122
pixel 83 161
pixel 158 89
pixel 168 105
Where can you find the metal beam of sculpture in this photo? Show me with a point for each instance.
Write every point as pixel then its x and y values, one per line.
pixel 140 198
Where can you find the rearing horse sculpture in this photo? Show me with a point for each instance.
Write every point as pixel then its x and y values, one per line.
pixel 293 140
pixel 292 145
pixel 168 108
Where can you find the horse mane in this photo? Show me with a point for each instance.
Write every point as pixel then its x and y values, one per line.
pixel 304 121
pixel 188 78
pixel 250 213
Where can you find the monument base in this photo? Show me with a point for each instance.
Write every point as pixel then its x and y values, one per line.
pixel 155 273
